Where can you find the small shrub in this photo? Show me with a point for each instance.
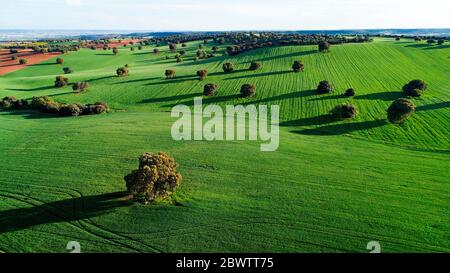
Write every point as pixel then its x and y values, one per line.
pixel 215 48
pixel 179 59
pixel 298 66
pixel 115 50
pixel 122 71
pixel 210 89
pixel 80 86
pixel 228 67
pixel 324 87
pixel 61 81
pixel 156 51
pixel 23 61
pixel 344 111
pixel 67 70
pixel 70 110
pixel 202 74
pixel 170 74
pixel 400 110
pixel 14 58
pixel 59 60
pixel 156 178
pixel 255 66
pixel 248 90
pixel 415 88
pixel 350 92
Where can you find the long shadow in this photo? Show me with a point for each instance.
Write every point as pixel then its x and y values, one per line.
pixel 139 80
pixel 206 101
pixel 260 75
pixel 31 114
pixel 343 128
pixel 435 106
pixel 171 98
pixel 298 94
pixel 319 120
pixel 104 54
pixel 100 78
pixel 385 96
pixel 437 47
pixel 44 64
pixel 173 81
pixel 334 97
pixel 60 211
pixel 32 89
pixel 418 45
pixel 293 54
pixel 222 73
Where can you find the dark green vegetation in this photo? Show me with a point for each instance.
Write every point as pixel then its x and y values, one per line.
pixel 332 186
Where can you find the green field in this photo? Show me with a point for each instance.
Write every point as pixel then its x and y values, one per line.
pixel 331 186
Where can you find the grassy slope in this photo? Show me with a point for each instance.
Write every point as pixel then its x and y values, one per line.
pixel 317 193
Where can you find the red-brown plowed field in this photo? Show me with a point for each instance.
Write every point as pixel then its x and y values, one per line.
pixel 7 65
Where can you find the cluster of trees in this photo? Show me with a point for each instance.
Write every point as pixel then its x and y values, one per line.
pixel 80 87
pixel 47 105
pixel 156 178
pixel 398 111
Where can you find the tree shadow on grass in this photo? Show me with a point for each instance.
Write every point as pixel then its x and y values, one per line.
pixel 289 55
pixel 44 64
pixel 30 114
pixel 319 120
pixel 437 47
pixel 139 80
pixel 385 96
pixel 435 106
pixel 260 75
pixel 207 100
pixel 32 89
pixel 343 128
pixel 60 211
pixel 172 98
pixel 298 94
pixel 333 97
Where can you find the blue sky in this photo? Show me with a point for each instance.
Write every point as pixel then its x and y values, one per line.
pixel 223 14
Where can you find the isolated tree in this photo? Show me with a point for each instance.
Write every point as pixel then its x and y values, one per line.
pixel 248 90
pixel 80 86
pixel 201 54
pixel 324 87
pixel 228 67
pixel 210 89
pixel 183 45
pixel 400 110
pixel 179 59
pixel 415 88
pixel 173 47
pixel 202 74
pixel 59 60
pixel 350 92
pixel 324 46
pixel 397 38
pixel 61 81
pixel 115 50
pixel 156 51
pixel 255 66
pixel 182 52
pixel 200 46
pixel 344 111
pixel 170 74
pixel 131 48
pixel 140 47
pixel 122 71
pixel 157 177
pixel 215 48
pixel 67 70
pixel 298 66
pixel 23 61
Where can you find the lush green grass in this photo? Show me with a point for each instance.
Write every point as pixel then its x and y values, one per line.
pixel 331 186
